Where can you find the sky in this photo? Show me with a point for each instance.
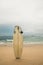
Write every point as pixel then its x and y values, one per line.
pixel 26 13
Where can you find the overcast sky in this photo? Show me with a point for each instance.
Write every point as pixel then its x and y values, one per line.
pixel 26 13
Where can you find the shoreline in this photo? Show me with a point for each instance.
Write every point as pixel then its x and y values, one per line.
pixel 24 43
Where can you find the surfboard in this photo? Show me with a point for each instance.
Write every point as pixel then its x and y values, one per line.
pixel 18 42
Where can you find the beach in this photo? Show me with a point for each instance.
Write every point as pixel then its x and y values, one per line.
pixel 32 55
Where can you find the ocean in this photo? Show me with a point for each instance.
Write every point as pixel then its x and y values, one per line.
pixel 26 39
pixel 6 32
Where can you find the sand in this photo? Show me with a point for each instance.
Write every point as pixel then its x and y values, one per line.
pixel 32 55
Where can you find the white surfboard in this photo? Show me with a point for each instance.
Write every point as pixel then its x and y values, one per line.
pixel 18 42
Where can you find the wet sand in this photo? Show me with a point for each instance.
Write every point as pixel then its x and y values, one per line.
pixel 32 55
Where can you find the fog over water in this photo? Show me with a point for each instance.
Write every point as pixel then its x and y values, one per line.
pixel 26 13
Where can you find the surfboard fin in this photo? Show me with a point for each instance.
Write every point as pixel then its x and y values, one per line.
pixel 14 31
pixel 21 32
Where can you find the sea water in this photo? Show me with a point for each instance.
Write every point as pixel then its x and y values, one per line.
pixel 26 39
